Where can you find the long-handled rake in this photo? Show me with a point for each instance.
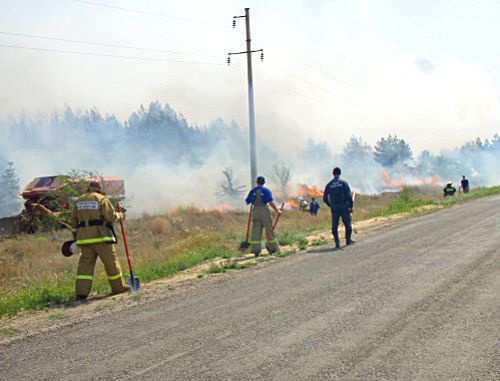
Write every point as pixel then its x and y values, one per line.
pixel 134 282
pixel 245 244
pixel 275 224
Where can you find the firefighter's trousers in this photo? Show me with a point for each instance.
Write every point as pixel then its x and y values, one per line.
pixel 86 266
pixel 262 220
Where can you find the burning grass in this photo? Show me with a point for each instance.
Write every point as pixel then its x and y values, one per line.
pixel 34 275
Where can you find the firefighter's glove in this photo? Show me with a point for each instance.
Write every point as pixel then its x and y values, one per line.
pixel 120 216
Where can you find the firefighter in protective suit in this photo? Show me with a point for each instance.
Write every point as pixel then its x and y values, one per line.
pixel 92 221
pixel 260 196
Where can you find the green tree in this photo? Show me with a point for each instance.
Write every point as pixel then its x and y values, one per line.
pixel 356 150
pixel 391 151
pixel 10 202
pixel 282 175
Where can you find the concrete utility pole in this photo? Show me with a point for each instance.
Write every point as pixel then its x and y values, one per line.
pixel 251 108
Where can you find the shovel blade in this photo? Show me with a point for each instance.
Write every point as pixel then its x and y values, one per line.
pixel 244 245
pixel 135 284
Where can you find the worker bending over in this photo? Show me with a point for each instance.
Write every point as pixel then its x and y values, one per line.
pixel 92 221
pixel 449 190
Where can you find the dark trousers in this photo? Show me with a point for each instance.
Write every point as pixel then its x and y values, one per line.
pixel 345 214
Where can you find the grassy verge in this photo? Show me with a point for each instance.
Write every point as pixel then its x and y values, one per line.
pixel 33 275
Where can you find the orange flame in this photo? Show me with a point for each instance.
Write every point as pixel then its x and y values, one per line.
pixel 224 207
pixel 313 191
pixel 415 180
pixel 293 203
pixel 393 183
pixel 432 181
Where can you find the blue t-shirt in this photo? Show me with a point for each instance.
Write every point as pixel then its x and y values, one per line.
pixel 265 194
pixel 314 207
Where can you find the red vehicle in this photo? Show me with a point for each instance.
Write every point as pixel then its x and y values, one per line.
pixel 55 192
pixel 52 196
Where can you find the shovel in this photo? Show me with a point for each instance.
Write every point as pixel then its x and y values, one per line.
pixel 245 244
pixel 133 281
pixel 275 224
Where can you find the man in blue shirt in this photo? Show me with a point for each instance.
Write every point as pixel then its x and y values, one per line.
pixel 314 207
pixel 338 197
pixel 260 197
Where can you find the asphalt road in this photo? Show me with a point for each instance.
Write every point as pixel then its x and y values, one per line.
pixel 418 301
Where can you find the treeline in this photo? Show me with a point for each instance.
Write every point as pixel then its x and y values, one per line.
pixel 157 148
pixel 156 133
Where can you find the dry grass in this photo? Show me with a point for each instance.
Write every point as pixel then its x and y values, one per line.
pixel 32 267
pixel 29 259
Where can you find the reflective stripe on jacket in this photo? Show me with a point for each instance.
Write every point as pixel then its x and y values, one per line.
pixel 89 208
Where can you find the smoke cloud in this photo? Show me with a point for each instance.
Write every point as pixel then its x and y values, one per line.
pixel 168 163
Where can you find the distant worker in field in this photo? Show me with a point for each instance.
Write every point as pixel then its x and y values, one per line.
pixel 304 206
pixel 92 221
pixel 338 197
pixel 260 197
pixel 464 185
pixel 314 207
pixel 449 190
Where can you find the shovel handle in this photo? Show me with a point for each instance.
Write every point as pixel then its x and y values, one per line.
pixel 278 217
pixel 250 215
pixel 124 234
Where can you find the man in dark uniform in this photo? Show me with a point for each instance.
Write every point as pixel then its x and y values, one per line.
pixel 464 184
pixel 338 197
pixel 314 207
pixel 259 197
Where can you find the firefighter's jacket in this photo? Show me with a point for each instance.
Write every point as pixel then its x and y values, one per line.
pixel 92 219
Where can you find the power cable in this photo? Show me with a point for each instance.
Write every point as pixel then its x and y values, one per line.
pixel 108 55
pixel 288 89
pixel 149 13
pixel 110 45
pixel 348 100
pixel 316 100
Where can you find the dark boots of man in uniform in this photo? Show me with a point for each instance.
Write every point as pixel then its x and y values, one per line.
pixel 338 197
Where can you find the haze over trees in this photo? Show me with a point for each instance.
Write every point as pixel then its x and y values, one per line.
pixel 391 151
pixel 166 159
pixel 229 188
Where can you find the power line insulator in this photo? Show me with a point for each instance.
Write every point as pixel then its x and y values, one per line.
pixel 228 61
pixel 261 56
pixel 234 23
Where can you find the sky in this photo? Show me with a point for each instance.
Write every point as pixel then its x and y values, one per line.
pixel 426 70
